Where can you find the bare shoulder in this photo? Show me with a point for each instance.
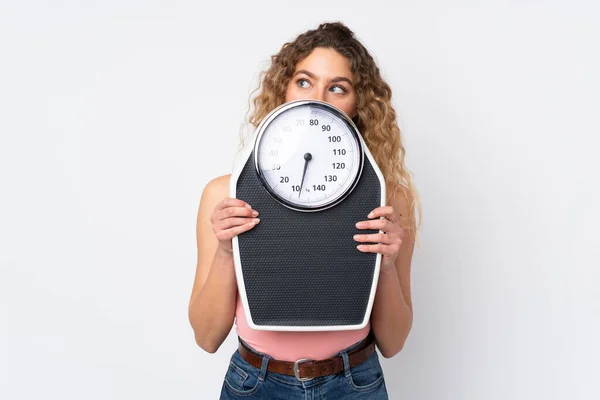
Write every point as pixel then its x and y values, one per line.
pixel 217 188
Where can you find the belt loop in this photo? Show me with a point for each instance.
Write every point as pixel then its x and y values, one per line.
pixel 344 355
pixel 263 367
pixel 243 342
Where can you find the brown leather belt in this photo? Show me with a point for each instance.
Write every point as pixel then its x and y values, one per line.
pixel 306 369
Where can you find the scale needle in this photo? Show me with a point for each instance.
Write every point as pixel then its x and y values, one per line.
pixel 307 158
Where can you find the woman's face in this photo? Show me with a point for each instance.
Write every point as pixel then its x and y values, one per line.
pixel 324 75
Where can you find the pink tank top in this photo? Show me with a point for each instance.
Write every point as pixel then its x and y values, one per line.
pixel 291 346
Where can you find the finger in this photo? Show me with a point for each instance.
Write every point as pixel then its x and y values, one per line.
pixel 230 233
pixel 392 217
pixel 231 212
pixel 381 224
pixel 379 211
pixel 384 249
pixel 231 202
pixel 228 223
pixel 375 238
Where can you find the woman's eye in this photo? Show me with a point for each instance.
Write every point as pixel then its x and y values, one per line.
pixel 299 82
pixel 342 90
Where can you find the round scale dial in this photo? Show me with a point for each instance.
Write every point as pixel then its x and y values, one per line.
pixel 308 155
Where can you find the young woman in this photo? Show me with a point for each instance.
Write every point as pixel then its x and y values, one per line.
pixel 331 65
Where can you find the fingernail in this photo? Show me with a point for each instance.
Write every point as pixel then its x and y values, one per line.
pixel 256 220
pixel 356 237
pixel 255 213
pixel 359 224
pixel 248 205
pixel 370 215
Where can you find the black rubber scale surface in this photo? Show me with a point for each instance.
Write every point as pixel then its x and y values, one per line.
pixel 303 268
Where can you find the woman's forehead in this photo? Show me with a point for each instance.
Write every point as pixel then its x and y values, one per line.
pixel 325 63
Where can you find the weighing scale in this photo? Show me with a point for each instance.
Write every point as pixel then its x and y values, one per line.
pixel 311 177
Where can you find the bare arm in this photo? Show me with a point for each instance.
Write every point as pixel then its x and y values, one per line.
pixel 213 299
pixel 212 308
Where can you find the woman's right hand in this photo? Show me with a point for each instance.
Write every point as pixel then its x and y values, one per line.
pixel 230 218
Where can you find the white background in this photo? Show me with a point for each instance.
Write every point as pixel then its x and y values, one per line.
pixel 115 114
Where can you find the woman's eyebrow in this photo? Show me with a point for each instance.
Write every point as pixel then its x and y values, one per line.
pixel 313 76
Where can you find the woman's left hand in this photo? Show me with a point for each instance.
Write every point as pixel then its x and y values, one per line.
pixel 387 243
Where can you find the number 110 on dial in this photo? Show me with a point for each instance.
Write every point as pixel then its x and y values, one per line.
pixel 308 155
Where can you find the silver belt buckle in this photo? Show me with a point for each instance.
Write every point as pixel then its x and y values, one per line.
pixel 297 371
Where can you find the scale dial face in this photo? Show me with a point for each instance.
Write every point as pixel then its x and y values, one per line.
pixel 308 155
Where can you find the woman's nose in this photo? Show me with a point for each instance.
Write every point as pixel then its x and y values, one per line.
pixel 318 94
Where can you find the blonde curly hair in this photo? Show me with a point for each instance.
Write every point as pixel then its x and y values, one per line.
pixel 376 118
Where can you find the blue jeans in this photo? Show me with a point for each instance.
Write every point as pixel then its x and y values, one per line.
pixel 363 381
